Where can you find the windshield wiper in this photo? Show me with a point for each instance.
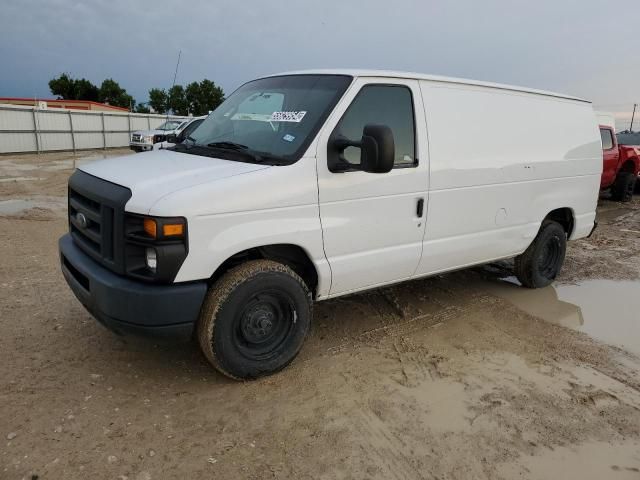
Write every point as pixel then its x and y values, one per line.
pixel 241 149
pixel 234 149
pixel 228 145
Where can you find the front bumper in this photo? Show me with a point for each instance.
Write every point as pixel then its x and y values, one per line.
pixel 127 306
pixel 140 147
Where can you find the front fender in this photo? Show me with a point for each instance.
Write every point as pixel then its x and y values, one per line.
pixel 276 205
pixel 214 239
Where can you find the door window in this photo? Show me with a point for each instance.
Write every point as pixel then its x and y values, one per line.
pixel 390 105
pixel 191 127
pixel 607 139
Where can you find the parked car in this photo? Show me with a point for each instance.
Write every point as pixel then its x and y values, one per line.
pixel 144 140
pixel 172 138
pixel 621 163
pixel 307 186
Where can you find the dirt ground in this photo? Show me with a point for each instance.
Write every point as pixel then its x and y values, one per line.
pixel 461 376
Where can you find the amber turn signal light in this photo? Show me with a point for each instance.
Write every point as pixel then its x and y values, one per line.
pixel 150 228
pixel 173 229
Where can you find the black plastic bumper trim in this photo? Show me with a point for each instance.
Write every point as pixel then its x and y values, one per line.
pixel 127 306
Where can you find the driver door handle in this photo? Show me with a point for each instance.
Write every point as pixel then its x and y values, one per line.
pixel 420 207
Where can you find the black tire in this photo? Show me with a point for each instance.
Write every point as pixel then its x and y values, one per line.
pixel 254 319
pixel 541 262
pixel 623 187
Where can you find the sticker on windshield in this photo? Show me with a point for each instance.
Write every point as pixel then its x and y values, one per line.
pixel 259 117
pixel 288 116
pixel 288 138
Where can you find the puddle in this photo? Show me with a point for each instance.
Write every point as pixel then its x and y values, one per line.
pixel 19 179
pixel 13 168
pixel 16 206
pixel 608 310
pixel 589 461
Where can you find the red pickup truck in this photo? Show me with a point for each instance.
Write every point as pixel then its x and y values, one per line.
pixel 621 165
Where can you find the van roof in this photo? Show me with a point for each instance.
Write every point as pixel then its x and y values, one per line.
pixel 433 78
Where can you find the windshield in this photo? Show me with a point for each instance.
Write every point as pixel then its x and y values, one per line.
pixel 169 125
pixel 275 117
pixel 628 138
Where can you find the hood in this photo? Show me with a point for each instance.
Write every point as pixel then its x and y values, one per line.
pixel 155 174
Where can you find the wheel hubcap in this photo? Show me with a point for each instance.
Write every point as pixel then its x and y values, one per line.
pixel 258 323
pixel 264 325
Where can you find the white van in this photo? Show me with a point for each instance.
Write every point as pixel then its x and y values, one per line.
pixel 312 185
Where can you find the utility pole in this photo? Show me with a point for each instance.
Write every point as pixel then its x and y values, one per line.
pixel 632 116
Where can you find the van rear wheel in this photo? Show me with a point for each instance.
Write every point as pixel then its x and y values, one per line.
pixel 541 262
pixel 254 319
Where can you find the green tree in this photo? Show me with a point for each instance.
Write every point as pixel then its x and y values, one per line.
pixel 63 87
pixel 192 97
pixel 113 94
pixel 176 100
pixel 203 97
pixel 142 108
pixel 69 88
pixel 85 90
pixel 158 100
pixel 211 96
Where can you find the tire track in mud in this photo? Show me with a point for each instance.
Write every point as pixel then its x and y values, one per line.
pixel 385 448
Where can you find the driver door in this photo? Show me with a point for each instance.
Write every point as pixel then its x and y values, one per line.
pixel 373 223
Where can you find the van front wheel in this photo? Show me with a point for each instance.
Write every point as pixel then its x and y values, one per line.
pixel 541 262
pixel 254 319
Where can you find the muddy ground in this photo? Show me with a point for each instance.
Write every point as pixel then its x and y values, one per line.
pixel 461 376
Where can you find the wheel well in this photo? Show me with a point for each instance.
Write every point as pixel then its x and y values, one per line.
pixel 564 216
pixel 628 166
pixel 291 255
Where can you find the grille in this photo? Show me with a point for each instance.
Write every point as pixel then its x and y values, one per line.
pixel 136 138
pixel 87 224
pixel 96 218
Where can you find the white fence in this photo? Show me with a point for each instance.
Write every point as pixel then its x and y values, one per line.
pixel 29 129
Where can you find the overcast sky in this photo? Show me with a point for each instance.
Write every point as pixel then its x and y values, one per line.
pixel 588 48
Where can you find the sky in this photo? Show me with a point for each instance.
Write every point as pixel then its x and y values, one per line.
pixel 586 48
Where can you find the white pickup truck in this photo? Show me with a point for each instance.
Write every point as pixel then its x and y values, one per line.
pixel 158 138
pixel 307 186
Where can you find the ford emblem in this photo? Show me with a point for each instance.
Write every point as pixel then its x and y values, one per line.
pixel 82 220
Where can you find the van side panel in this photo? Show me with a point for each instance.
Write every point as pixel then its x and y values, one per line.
pixel 500 161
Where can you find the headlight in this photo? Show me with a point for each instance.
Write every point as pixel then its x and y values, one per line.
pixel 147 139
pixel 155 247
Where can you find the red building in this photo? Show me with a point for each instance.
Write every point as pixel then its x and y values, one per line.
pixel 70 104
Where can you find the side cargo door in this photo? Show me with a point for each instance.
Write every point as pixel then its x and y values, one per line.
pixel 373 223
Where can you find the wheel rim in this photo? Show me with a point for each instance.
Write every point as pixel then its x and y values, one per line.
pixel 264 325
pixel 550 258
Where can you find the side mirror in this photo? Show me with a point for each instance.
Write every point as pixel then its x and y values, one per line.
pixel 377 149
pixel 172 138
